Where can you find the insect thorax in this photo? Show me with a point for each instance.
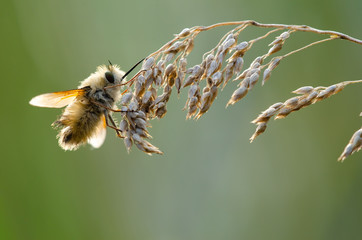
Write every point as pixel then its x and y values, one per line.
pixel 102 97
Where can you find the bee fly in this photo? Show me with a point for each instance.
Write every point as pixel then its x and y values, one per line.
pixel 88 108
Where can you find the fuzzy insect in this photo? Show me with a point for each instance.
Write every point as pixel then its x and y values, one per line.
pixel 88 109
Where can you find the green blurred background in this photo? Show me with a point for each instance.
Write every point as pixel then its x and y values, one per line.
pixel 211 183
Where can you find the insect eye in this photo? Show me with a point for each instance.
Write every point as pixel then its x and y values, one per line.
pixel 109 76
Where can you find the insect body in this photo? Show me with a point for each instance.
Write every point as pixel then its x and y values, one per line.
pixel 88 108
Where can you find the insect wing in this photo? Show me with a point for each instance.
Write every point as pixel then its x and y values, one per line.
pixel 56 99
pixel 97 139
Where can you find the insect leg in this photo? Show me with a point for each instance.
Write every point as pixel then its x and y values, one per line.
pixel 107 117
pixel 114 124
pixel 110 109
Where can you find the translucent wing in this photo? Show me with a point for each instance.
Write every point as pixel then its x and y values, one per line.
pixel 97 139
pixel 56 99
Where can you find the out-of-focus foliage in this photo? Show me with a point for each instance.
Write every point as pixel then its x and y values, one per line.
pixel 211 183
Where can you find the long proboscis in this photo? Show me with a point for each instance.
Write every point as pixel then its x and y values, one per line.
pixel 129 71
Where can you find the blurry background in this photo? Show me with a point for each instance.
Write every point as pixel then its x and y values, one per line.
pixel 211 183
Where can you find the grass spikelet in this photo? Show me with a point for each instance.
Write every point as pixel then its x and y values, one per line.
pixel 308 95
pixel 354 145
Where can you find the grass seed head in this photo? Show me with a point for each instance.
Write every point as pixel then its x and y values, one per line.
pixel 167 67
pixel 259 130
pixel 148 63
pixel 354 145
pixel 303 90
pixel 237 95
pixel 123 125
pixel 126 98
pixel 128 143
pixel 184 33
pixel 275 48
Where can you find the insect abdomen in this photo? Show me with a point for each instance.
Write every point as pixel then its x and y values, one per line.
pixel 78 123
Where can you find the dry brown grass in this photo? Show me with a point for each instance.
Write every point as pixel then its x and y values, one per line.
pixel 166 71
